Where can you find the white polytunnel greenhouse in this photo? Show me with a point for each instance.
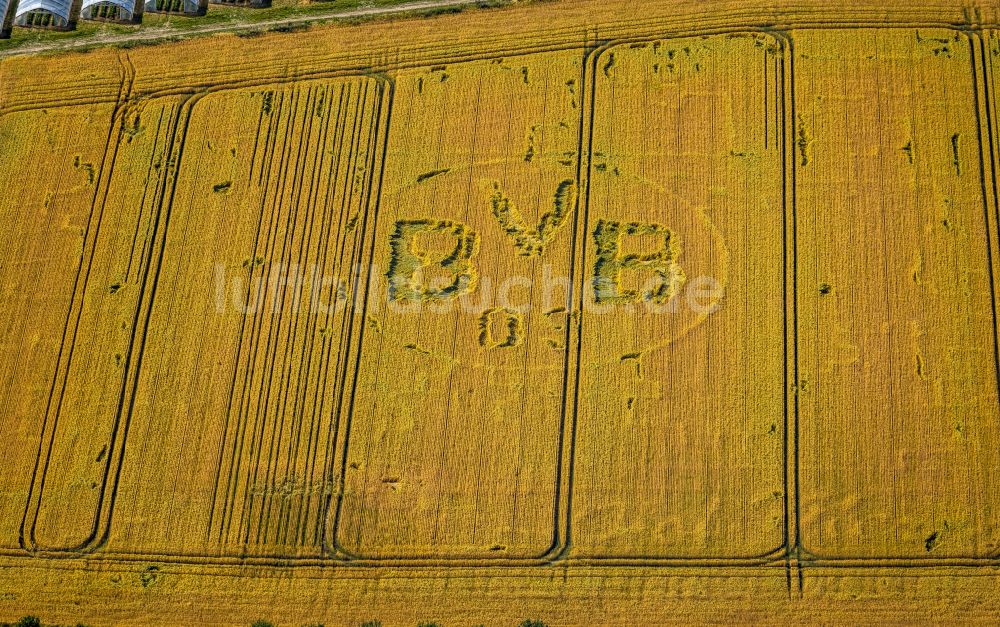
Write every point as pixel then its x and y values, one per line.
pixel 4 24
pixel 187 7
pixel 255 4
pixel 109 10
pixel 44 13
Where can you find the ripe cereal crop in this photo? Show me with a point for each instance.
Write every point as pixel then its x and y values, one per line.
pixel 560 313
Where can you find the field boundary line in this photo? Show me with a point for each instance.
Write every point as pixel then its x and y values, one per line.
pixel 979 69
pixel 778 554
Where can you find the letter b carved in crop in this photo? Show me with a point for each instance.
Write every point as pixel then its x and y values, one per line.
pixel 431 260
pixel 612 261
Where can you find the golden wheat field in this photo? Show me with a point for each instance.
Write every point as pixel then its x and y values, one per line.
pixel 576 312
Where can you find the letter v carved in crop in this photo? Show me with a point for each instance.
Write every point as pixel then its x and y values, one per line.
pixel 532 241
